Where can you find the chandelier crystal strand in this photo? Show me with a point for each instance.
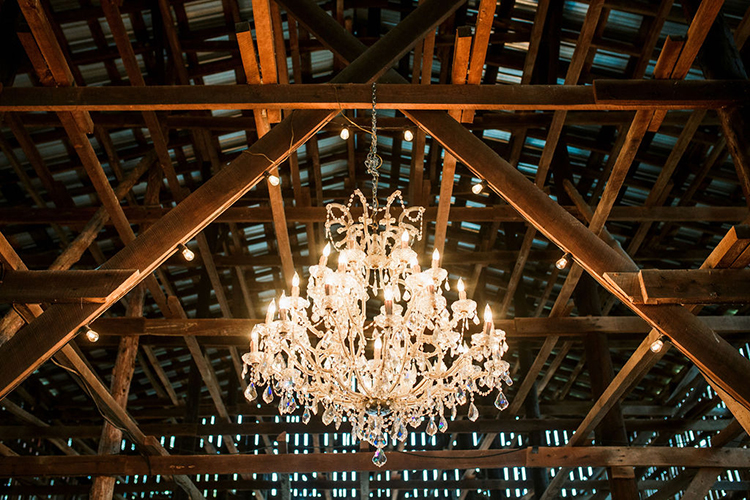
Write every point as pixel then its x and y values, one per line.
pixel 414 360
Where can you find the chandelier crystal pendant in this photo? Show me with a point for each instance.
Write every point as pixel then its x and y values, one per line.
pixel 414 360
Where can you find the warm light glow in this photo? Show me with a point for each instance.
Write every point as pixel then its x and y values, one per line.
pixel 254 336
pixel 327 250
pixel 461 290
pixel 271 311
pixel 408 135
pixel 187 254
pixel 477 188
pixel 378 343
pixel 274 180
pixel 92 335
pixel 283 302
pixel 562 263
pixel 487 314
pixel 657 345
pixel 344 133
pixel 388 294
pixel 405 237
pixel 295 280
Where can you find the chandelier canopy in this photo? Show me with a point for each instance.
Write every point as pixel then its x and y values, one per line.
pixel 413 360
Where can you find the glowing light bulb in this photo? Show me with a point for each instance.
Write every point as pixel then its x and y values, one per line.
pixel 295 285
pixel 328 285
pixel 254 341
pixel 415 265
pixel 562 262
pixel 477 188
pixel 283 301
pixel 378 347
pixel 187 254
pixel 274 180
pixel 657 345
pixel 388 295
pixel 435 259
pixel 461 289
pixel 489 326
pixel 92 335
pixel 342 262
pixel 324 258
pixel 344 133
pixel 271 311
pixel 405 239
pixel 408 135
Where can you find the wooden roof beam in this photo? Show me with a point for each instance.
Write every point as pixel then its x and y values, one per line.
pixel 25 351
pixel 362 461
pixel 480 45
pixel 518 328
pixel 461 53
pixel 73 360
pixel 689 286
pixel 111 437
pixel 603 95
pixel 597 257
pixel 734 244
pixel 36 287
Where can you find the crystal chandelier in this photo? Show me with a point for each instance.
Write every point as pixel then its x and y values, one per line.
pixel 414 360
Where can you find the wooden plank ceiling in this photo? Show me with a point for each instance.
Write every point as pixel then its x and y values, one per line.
pixel 554 105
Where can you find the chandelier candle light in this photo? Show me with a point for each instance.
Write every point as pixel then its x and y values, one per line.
pixel 413 361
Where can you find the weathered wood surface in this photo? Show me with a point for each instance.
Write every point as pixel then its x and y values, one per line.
pixel 46 466
pixel 140 215
pixel 514 328
pixel 604 95
pixel 34 287
pixel 695 286
pixel 463 426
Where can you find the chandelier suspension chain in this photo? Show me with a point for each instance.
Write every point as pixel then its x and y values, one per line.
pixel 374 161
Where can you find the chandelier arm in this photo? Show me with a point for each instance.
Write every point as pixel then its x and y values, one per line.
pixel 352 355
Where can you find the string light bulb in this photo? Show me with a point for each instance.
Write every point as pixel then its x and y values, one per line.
pixel 344 133
pixel 562 262
pixel 657 345
pixel 187 254
pixel 273 180
pixel 478 187
pixel 408 135
pixel 92 335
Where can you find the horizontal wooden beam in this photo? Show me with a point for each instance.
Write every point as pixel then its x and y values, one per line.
pixel 514 328
pixel 604 95
pixel 321 484
pixel 125 465
pixel 684 286
pixel 483 425
pixel 500 213
pixel 664 93
pixel 36 287
pixel 695 286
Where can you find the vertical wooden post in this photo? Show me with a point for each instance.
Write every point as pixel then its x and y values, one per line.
pixel 611 431
pixel 104 486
